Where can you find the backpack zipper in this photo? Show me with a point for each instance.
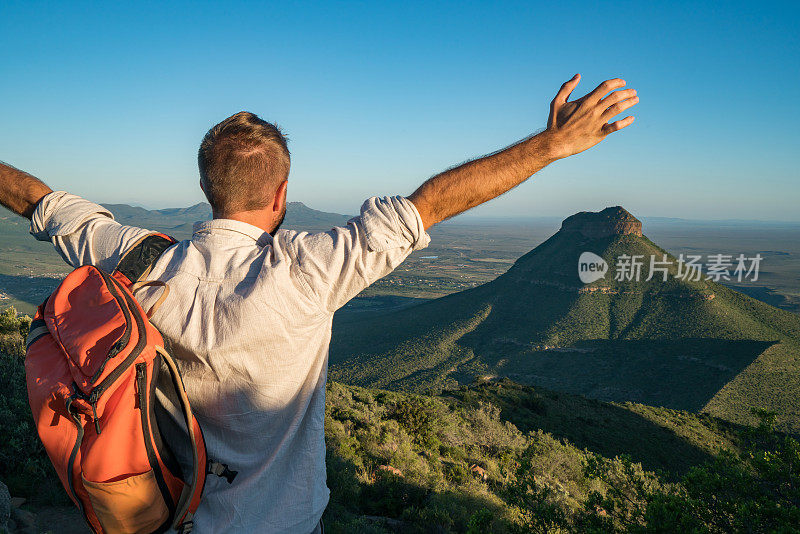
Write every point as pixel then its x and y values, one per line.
pixel 92 402
pixel 116 373
pixel 126 334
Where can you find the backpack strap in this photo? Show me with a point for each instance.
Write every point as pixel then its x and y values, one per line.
pixel 137 262
pixel 145 283
pixel 190 498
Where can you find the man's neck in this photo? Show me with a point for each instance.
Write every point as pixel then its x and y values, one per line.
pixel 258 218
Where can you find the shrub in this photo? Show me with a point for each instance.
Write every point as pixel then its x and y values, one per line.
pixel 24 466
pixel 755 491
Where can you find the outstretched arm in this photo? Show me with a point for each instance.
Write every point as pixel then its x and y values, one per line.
pixel 82 232
pixel 573 127
pixel 19 191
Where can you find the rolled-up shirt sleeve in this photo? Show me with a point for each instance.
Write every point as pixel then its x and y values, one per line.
pixel 84 233
pixel 338 264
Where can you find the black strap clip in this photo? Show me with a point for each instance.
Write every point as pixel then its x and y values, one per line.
pixel 221 470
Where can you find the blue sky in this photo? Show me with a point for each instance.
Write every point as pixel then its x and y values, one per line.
pixel 111 102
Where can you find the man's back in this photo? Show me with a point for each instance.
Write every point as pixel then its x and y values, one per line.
pixel 248 319
pixel 251 315
pixel 253 351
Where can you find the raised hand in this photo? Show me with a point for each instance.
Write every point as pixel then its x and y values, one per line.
pixel 574 126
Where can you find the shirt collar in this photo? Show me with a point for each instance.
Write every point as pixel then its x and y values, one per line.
pixel 253 232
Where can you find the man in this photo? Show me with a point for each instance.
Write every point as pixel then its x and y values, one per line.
pixel 249 313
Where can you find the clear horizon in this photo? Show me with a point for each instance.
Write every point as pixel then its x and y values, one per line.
pixel 110 102
pixel 472 217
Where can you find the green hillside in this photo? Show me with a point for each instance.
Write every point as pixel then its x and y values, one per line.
pixel 493 457
pixel 691 345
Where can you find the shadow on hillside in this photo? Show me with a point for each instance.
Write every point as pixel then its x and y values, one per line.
pixel 682 374
pixel 604 428
pixel 365 352
pixel 31 290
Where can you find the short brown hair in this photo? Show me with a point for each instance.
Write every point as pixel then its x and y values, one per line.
pixel 242 161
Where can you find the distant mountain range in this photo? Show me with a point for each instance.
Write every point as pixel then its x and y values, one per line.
pixel 178 222
pixel 692 345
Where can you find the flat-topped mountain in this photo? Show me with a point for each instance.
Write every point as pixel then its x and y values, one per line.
pixel 668 340
pixel 614 220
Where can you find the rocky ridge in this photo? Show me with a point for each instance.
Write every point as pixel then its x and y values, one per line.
pixel 614 220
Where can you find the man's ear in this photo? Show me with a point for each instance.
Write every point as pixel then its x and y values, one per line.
pixel 279 201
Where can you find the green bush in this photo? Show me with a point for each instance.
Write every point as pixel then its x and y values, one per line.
pixel 757 490
pixel 24 465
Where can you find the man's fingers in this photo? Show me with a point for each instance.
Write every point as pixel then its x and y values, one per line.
pixel 615 97
pixel 604 88
pixel 619 107
pixel 617 125
pixel 561 98
pixel 566 90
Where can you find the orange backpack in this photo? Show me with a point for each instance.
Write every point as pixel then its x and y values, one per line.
pixel 109 403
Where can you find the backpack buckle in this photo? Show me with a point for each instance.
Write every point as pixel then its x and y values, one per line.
pixel 221 470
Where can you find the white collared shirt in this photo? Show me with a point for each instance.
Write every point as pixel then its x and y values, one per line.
pixel 248 319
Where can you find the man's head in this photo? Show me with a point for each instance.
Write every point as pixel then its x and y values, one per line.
pixel 244 165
